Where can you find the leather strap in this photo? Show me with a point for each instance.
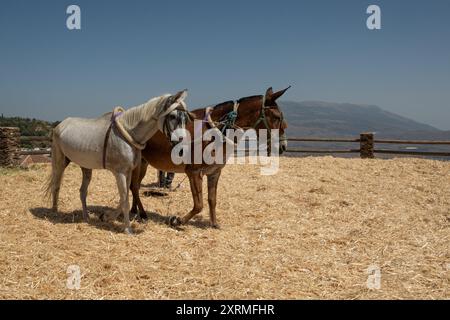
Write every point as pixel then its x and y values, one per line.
pixel 116 112
pixel 105 143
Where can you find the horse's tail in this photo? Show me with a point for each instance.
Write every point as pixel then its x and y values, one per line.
pixel 59 163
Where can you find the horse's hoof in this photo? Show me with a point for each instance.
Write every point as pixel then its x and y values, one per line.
pixel 174 221
pixel 129 231
pixel 143 217
pixel 215 226
pixel 133 216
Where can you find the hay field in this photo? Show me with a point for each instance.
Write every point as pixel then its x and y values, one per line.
pixel 309 232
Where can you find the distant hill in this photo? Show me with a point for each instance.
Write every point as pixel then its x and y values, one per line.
pixel 326 119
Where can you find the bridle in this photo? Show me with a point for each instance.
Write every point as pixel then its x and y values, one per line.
pixel 181 118
pixel 176 105
pixel 263 118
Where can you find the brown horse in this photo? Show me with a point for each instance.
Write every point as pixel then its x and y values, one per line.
pixel 258 112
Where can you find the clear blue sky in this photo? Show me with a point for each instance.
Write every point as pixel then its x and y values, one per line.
pixel 129 51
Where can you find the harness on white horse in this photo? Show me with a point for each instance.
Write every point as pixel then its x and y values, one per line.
pixel 117 112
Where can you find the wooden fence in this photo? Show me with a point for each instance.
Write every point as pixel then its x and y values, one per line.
pixel 10 141
pixel 367 146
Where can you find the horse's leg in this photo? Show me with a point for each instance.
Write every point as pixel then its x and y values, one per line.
pixel 123 184
pixel 134 190
pixel 213 180
pixel 161 179
pixel 59 164
pixel 169 179
pixel 136 179
pixel 87 175
pixel 195 180
pixel 57 176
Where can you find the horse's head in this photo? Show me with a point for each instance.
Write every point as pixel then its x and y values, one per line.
pixel 175 114
pixel 263 112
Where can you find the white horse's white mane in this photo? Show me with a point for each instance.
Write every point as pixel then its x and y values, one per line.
pixel 132 117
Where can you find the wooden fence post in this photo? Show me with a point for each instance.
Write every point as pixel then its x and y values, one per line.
pixel 366 145
pixel 9 146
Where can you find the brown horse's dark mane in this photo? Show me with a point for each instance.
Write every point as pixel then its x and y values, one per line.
pixel 249 98
pixel 228 103
pixel 245 99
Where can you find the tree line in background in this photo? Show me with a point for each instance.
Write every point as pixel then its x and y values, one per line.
pixel 30 127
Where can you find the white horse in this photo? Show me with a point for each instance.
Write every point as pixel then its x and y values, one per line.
pixel 113 141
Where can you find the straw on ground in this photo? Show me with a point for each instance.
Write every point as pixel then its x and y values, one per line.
pixel 311 231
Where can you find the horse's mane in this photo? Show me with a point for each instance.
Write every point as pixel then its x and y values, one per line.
pixel 230 102
pixel 133 116
pixel 249 98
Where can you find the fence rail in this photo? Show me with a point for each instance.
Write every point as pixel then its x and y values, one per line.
pixel 414 153
pixel 294 150
pixel 35 139
pixel 323 140
pixel 35 152
pixel 413 142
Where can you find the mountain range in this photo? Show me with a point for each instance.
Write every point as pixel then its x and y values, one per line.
pixel 329 119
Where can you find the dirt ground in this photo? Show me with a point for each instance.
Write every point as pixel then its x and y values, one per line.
pixel 309 232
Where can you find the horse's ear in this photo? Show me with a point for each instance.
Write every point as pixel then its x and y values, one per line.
pixel 269 93
pixel 278 94
pixel 181 95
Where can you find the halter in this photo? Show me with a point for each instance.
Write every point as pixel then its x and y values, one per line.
pixel 262 115
pixel 262 118
pixel 181 118
pixel 172 107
